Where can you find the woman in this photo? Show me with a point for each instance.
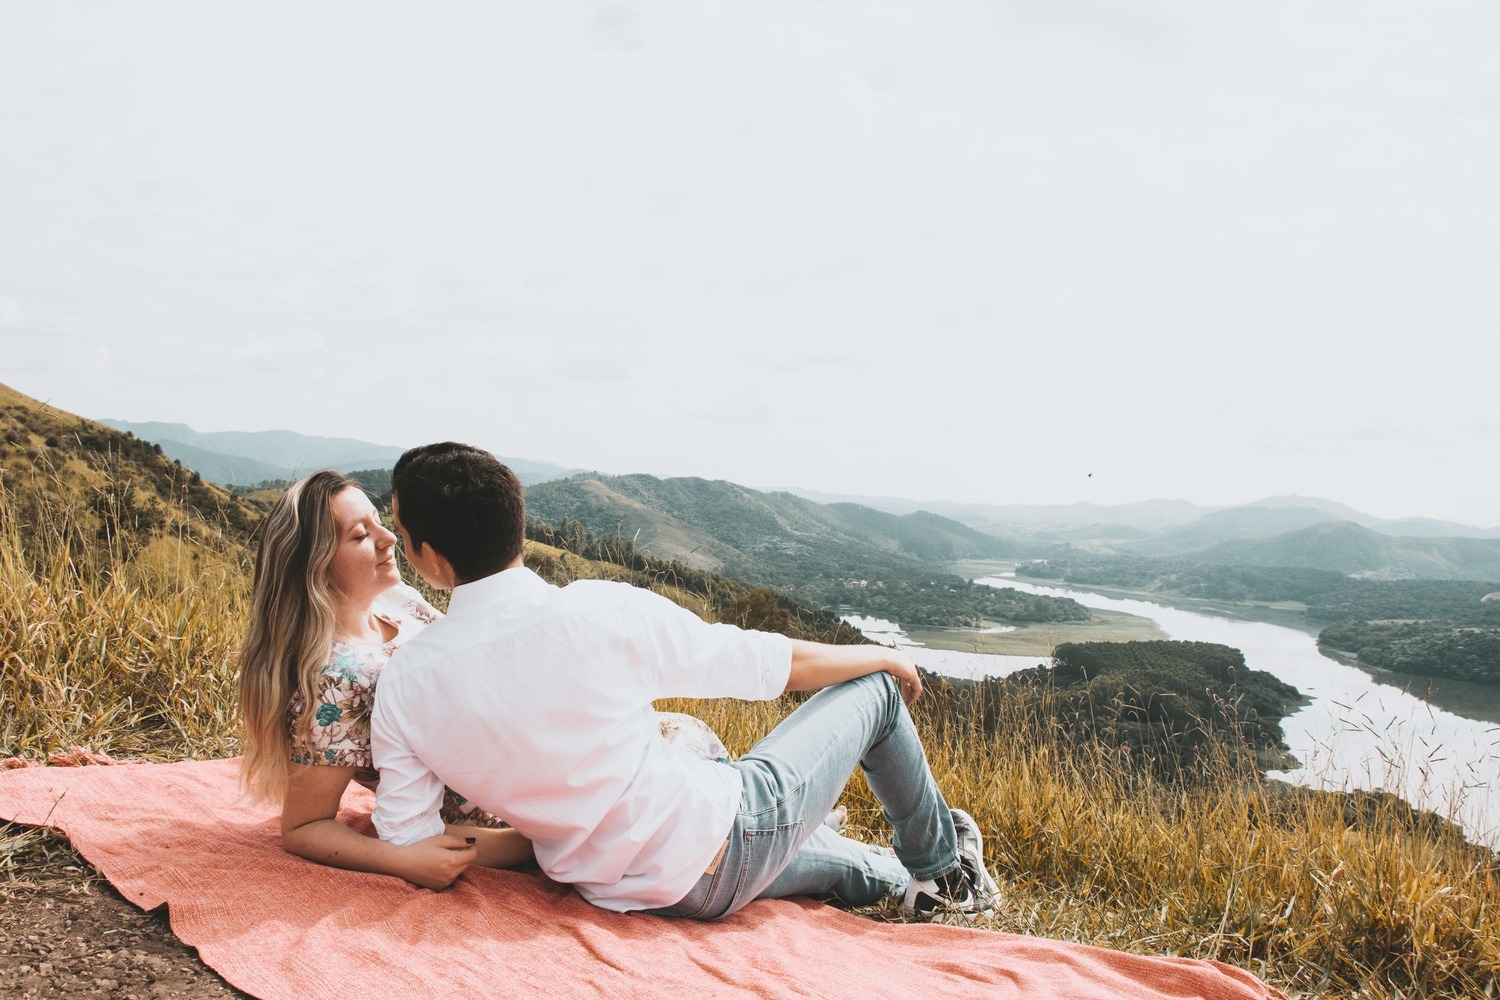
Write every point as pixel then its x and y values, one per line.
pixel 329 609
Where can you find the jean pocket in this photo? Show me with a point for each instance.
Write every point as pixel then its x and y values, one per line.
pixel 767 853
pixel 697 898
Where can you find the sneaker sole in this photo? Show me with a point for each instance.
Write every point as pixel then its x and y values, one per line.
pixel 964 823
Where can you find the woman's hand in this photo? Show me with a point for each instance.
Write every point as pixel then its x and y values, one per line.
pixel 310 829
pixel 435 862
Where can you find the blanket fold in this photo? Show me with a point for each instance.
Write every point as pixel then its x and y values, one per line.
pixel 277 926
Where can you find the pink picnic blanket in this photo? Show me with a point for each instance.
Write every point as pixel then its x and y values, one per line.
pixel 276 926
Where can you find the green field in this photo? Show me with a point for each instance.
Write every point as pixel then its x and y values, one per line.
pixel 1040 639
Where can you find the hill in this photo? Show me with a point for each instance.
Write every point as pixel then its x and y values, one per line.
pixel 1146 516
pixel 1347 548
pixel 829 556
pixel 71 483
pixel 290 453
pixel 1235 523
pixel 245 458
pixel 1162 527
pixel 719 524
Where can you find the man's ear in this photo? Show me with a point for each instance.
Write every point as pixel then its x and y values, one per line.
pixel 439 571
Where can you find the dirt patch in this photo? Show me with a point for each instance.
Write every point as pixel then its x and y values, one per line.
pixel 64 932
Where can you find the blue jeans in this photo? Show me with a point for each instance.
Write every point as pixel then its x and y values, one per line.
pixel 779 846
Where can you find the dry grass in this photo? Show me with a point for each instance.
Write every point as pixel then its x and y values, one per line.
pixel 127 656
pixel 1289 884
pixel 134 657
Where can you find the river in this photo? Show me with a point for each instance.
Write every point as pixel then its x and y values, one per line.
pixel 1355 732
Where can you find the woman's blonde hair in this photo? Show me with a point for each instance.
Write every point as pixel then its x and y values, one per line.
pixel 292 622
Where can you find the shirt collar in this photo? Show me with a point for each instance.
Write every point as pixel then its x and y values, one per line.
pixel 496 587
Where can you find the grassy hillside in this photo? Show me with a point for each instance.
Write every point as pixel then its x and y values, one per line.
pixel 96 498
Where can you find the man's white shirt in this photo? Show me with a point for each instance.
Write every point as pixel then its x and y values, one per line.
pixel 535 703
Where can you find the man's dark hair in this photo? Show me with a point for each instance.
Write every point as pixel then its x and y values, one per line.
pixel 463 502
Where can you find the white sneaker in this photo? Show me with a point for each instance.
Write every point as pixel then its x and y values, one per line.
pixel 925 900
pixel 971 856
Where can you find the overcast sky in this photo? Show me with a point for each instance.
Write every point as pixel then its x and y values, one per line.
pixel 937 249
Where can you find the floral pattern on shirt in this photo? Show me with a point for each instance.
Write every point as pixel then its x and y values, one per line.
pixel 692 734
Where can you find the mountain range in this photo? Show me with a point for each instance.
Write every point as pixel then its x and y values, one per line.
pixel 759 535
pixel 1147 517
pixel 244 458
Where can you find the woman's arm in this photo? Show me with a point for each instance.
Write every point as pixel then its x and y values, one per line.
pixel 816 665
pixel 498 848
pixel 310 829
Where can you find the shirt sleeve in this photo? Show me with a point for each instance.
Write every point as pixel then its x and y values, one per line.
pixel 697 659
pixel 338 730
pixel 409 798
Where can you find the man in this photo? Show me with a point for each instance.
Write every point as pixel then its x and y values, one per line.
pixel 535 703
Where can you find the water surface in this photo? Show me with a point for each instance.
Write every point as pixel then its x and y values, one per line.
pixel 1355 732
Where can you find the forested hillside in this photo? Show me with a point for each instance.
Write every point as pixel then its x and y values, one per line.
pixel 830 556
pixel 1172 704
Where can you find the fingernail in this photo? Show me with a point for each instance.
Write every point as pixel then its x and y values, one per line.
pixel 468 840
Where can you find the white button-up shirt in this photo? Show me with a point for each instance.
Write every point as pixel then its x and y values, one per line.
pixel 535 703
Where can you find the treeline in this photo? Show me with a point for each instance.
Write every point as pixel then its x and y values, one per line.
pixel 376 482
pixel 898 588
pixel 892 587
pixel 1459 649
pixel 732 600
pixel 1190 579
pixel 1442 628
pixel 940 600
pixel 1165 706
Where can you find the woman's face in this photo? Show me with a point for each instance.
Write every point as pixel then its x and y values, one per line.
pixel 364 560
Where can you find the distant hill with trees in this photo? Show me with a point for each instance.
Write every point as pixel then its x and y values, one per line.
pixel 830 556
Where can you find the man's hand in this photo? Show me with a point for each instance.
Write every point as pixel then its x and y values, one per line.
pixel 904 669
pixel 435 862
pixel 816 666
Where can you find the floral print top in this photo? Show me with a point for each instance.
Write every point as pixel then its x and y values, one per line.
pixel 339 731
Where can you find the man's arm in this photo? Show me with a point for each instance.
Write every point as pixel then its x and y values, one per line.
pixel 816 665
pixel 409 797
